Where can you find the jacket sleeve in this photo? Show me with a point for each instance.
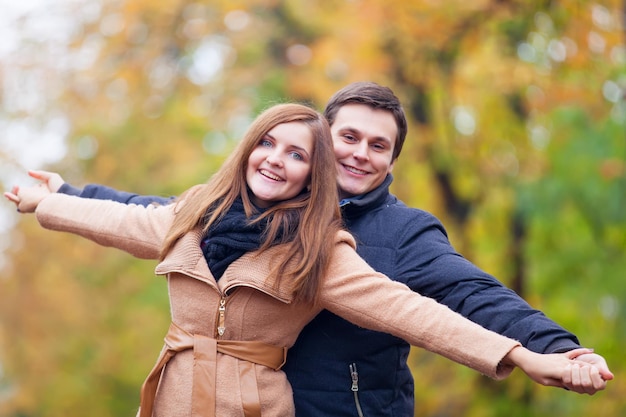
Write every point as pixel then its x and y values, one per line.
pixel 135 229
pixel 428 264
pixel 354 291
pixel 101 192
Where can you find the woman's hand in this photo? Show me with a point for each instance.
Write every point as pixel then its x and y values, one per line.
pixel 26 199
pixel 558 369
pixel 584 355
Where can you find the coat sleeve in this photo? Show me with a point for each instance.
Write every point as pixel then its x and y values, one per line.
pixel 102 192
pixel 426 261
pixel 354 291
pixel 135 229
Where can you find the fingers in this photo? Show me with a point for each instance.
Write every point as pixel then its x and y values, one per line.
pixel 12 197
pixel 597 361
pixel 27 199
pixel 40 175
pixel 573 354
pixel 578 377
pixel 605 374
pixel 52 180
pixel 583 378
pixel 596 379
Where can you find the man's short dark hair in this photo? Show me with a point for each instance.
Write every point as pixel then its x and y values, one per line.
pixel 375 96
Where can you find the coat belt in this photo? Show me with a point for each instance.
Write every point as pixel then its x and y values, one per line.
pixel 204 370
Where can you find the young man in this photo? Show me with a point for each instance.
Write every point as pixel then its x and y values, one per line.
pixel 337 369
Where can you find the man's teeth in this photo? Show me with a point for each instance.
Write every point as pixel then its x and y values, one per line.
pixel 355 170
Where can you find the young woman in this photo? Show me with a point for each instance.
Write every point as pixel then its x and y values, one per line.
pixel 252 256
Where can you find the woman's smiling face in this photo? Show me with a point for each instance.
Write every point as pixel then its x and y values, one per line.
pixel 279 167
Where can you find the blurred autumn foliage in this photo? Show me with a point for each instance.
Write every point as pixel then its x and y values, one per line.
pixel 516 141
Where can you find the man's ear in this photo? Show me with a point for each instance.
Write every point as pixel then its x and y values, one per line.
pixel 391 167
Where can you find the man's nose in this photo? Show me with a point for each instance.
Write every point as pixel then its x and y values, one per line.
pixel 361 151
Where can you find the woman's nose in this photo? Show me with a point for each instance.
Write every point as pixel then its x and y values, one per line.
pixel 274 159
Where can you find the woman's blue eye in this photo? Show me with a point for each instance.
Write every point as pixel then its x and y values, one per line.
pixel 265 142
pixel 297 156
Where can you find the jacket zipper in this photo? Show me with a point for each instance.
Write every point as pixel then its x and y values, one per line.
pixel 221 310
pixel 355 388
pixel 221 315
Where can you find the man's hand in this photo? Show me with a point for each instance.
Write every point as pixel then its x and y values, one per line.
pixel 52 180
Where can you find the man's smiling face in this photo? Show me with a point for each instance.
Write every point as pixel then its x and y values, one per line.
pixel 363 140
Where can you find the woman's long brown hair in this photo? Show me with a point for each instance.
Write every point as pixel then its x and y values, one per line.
pixel 313 216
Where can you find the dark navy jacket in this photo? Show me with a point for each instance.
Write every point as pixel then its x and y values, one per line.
pixel 410 246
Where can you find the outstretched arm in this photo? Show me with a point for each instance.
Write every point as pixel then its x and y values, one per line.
pixel 355 292
pixel 428 264
pixel 55 183
pixel 135 229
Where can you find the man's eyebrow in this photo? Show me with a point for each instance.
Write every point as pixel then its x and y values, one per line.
pixel 350 128
pixel 360 132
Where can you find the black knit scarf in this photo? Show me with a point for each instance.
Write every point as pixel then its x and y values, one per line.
pixel 231 237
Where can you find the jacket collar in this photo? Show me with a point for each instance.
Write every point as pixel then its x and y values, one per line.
pixel 250 270
pixel 352 207
pixel 187 258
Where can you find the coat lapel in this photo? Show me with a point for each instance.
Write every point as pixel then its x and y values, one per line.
pixel 186 258
pixel 251 270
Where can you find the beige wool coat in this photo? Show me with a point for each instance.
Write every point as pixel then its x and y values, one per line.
pixel 200 361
